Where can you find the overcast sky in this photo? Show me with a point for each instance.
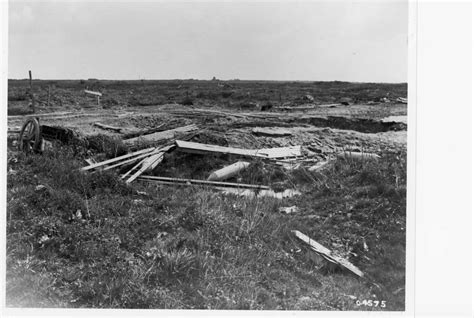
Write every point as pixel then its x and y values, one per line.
pixel 337 40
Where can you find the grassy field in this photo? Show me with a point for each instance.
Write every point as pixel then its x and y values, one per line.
pixel 69 94
pixel 78 239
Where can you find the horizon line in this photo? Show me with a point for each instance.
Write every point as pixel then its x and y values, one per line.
pixel 208 80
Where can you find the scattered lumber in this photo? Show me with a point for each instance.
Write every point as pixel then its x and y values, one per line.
pixel 178 181
pixel 116 159
pixel 147 164
pixel 131 160
pixel 107 127
pixel 327 254
pixel 161 135
pixel 269 153
pixel 271 132
pixel 228 172
pixel 358 155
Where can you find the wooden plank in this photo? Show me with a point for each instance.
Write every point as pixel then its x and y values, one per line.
pixel 161 135
pixel 129 161
pixel 195 147
pixel 270 153
pixel 165 180
pixel 106 162
pixel 358 155
pixel 93 93
pixel 282 152
pixel 147 164
pixel 327 254
pixel 107 127
pixel 271 131
pixel 143 156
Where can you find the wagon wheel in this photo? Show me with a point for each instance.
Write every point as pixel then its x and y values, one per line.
pixel 30 136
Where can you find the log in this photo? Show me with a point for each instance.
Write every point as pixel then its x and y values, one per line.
pixel 161 135
pixel 177 181
pixel 327 254
pixel 143 132
pixel 107 127
pixel 228 172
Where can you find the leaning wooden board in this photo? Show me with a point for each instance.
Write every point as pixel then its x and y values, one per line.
pixel 326 253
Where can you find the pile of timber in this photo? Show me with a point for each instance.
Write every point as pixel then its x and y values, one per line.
pixel 145 160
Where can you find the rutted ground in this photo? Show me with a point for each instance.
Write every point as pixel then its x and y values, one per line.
pixel 78 239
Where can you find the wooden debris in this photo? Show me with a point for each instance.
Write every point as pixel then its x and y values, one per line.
pixel 288 209
pixel 288 193
pixel 139 133
pixel 161 135
pixel 97 94
pixel 319 166
pixel 92 93
pixel 147 164
pixel 271 132
pixel 131 160
pixel 178 181
pixel 107 127
pixel 327 254
pixel 195 147
pixel 116 159
pixel 269 153
pixel 402 100
pixel 282 152
pixel 358 155
pixel 90 161
pixel 228 172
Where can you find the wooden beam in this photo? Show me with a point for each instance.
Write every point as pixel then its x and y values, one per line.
pixel 161 135
pixel 270 153
pixel 327 254
pixel 194 147
pixel 177 181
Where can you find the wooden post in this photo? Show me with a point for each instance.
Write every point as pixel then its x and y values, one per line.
pixel 49 93
pixel 32 97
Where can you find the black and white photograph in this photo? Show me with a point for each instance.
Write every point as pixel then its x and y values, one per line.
pixel 233 155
